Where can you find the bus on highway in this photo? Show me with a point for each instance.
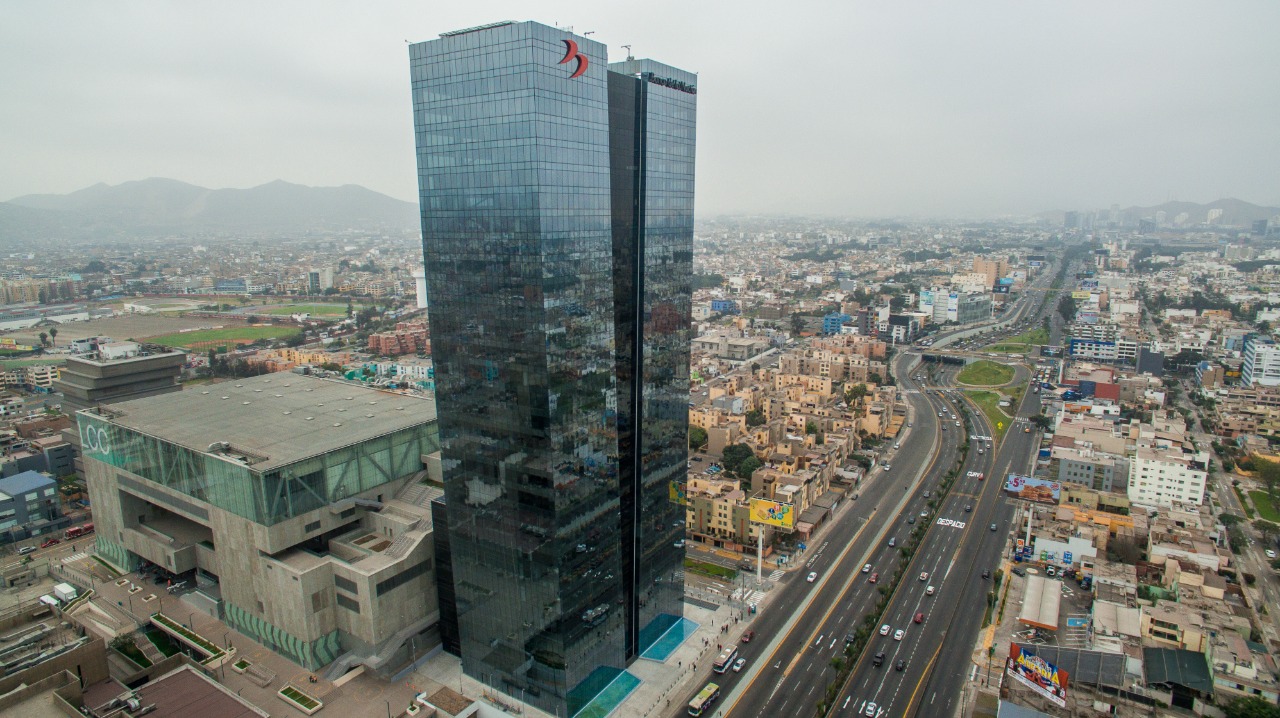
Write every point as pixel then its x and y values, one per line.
pixel 725 660
pixel 704 699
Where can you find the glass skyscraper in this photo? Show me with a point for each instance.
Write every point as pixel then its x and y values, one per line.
pixel 557 220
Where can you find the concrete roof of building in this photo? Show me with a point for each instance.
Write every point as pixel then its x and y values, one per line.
pixel 274 419
pixel 19 484
pixel 186 693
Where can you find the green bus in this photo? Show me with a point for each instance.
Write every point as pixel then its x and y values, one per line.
pixel 704 699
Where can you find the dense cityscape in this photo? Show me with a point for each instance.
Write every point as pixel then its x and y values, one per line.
pixel 293 450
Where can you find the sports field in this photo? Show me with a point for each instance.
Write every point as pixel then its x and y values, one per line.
pixel 207 338
pixel 315 310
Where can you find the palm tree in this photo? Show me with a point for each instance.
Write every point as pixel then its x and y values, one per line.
pixel 53 335
pixel 44 338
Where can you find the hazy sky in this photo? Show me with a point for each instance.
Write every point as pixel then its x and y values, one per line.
pixel 850 108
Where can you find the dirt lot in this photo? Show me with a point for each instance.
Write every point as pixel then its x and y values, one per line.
pixel 123 327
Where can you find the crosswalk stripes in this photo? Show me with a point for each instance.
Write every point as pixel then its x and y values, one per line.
pixel 777 575
pixel 75 557
pixel 755 597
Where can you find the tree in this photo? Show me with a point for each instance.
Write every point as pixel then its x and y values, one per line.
pixel 697 437
pixel 1268 529
pixel 44 338
pixel 1252 707
pixel 1228 520
pixel 748 466
pixel 855 394
pixel 53 335
pixel 875 378
pixel 755 417
pixel 810 427
pixel 734 455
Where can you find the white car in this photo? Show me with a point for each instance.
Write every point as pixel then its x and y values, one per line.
pixel 898 634
pixel 813 576
pixel 884 630
pixel 924 575
pixel 928 591
pixel 871 710
pixel 738 664
pixel 866 568
pixel 1271 554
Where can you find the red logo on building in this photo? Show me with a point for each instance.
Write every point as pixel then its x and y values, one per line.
pixel 572 52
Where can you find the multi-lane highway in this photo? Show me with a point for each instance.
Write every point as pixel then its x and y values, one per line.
pixel 958 549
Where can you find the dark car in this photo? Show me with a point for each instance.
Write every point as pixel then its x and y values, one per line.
pixel 1018 572
pixel 747 635
pixel 986 573
pixel 878 660
pixel 900 665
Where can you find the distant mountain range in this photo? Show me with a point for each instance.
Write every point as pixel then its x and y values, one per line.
pixel 159 206
pixel 1235 212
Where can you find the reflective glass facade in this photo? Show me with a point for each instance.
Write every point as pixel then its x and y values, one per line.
pixel 263 497
pixel 557 217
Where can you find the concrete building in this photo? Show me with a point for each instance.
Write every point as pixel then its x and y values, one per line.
pixel 1085 467
pixel 29 506
pixel 295 503
pixel 1163 477
pixel 1261 362
pixel 93 378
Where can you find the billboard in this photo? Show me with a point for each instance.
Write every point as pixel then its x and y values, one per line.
pixel 1032 489
pixel 1037 674
pixel 1079 294
pixel 677 493
pixel 11 344
pixel 774 513
pixel 1000 289
pixel 1088 284
pixel 1005 280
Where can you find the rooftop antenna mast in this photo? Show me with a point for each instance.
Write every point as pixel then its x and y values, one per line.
pixel 629 57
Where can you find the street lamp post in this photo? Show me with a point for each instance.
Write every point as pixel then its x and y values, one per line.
pixel 384 700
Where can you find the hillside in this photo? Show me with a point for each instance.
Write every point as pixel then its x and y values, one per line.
pixel 160 206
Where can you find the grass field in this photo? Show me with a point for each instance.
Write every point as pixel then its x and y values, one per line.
pixel 315 310
pixel 989 402
pixel 16 363
pixel 1005 348
pixel 1035 336
pixel 1266 509
pixel 205 338
pixel 986 373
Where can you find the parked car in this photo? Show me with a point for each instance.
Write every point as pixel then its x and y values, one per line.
pixel 26 550
pixel 50 542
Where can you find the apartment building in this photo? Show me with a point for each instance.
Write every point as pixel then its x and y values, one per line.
pixel 1165 476
pixel 1261 362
